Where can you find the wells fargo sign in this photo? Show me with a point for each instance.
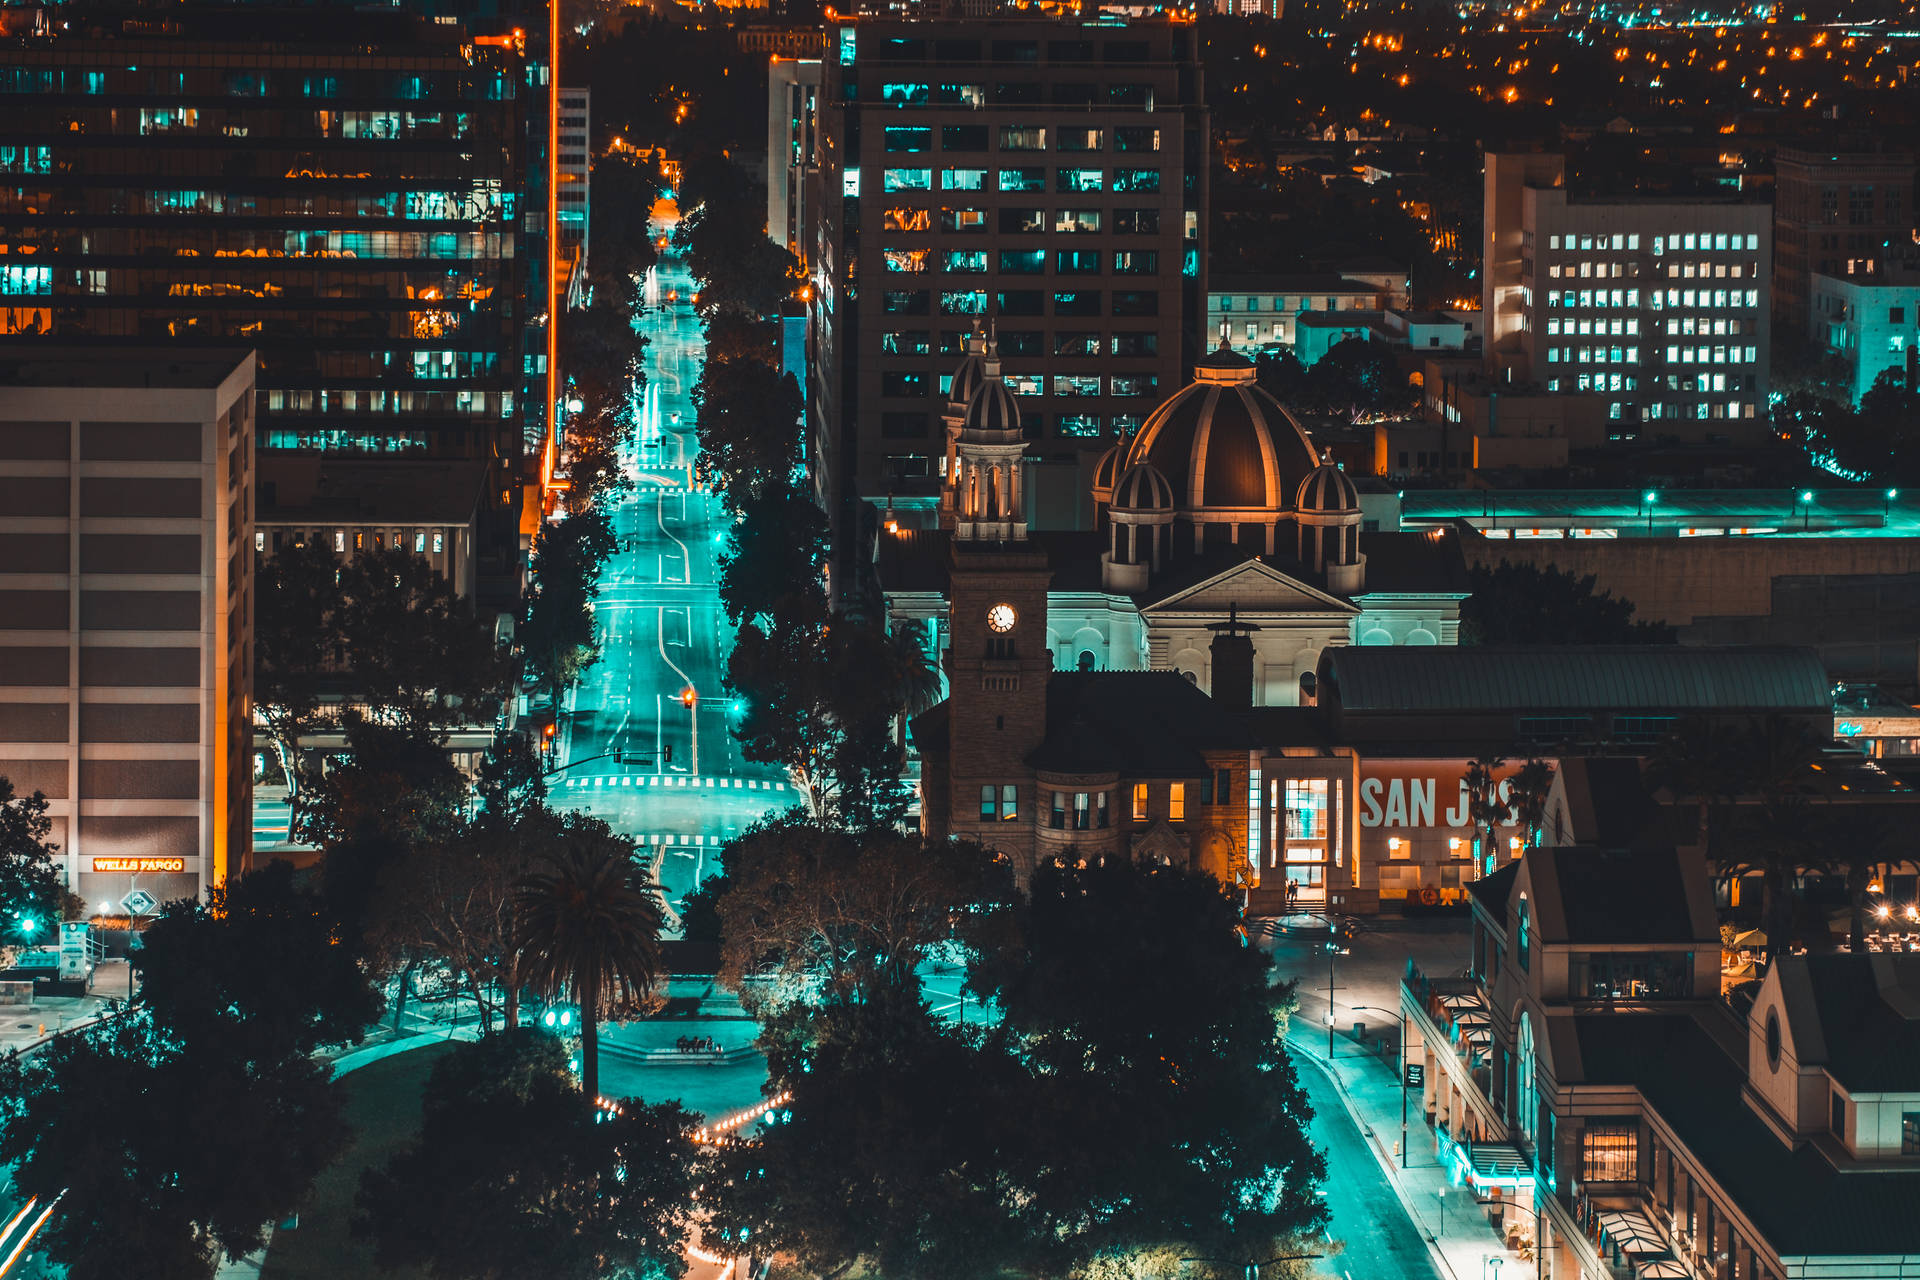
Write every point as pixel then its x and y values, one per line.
pixel 140 865
pixel 1419 795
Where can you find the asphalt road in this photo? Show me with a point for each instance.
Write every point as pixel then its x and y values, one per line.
pixel 633 750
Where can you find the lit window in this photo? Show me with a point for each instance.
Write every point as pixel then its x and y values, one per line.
pixel 1177 802
pixel 339 539
pixel 1082 811
pixel 1009 802
pixel 1139 802
pixel 988 797
pixel 259 540
pixel 1609 1151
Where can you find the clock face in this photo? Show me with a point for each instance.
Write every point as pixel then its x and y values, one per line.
pixel 1001 618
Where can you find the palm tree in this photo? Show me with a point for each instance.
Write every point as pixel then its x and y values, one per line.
pixel 1485 809
pixel 1779 840
pixel 1861 841
pixel 915 666
pixel 1703 762
pixel 1527 792
pixel 589 927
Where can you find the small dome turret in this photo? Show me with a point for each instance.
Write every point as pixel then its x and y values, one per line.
pixel 1327 490
pixel 1143 489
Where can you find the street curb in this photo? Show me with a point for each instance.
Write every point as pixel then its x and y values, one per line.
pixel 1380 1154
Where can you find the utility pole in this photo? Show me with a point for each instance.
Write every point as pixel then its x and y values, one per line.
pixel 1403 1087
pixel 1333 945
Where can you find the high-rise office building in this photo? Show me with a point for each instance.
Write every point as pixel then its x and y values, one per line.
pixel 126 636
pixel 1043 178
pixel 1655 307
pixel 793 148
pixel 575 167
pixel 358 197
pixel 1839 212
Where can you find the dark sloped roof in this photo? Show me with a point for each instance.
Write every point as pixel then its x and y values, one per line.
pixel 1609 804
pixel 1800 1202
pixel 1492 892
pixel 1619 895
pixel 1872 1047
pixel 1674 678
pixel 1136 723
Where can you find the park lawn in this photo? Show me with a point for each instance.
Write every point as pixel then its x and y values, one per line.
pixel 383 1106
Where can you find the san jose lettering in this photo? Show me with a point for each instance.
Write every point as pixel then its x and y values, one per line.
pixel 1411 802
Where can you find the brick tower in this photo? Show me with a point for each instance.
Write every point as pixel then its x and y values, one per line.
pixel 999 661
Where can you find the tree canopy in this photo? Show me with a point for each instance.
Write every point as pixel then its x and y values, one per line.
pixel 1133 1100
pixel 516 1174
pixel 821 692
pixel 32 883
pixel 1523 604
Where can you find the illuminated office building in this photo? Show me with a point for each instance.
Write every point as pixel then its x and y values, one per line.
pixel 358 197
pixel 1044 177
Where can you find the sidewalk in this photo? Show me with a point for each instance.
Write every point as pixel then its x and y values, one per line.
pixel 1447 1217
pixel 26 1027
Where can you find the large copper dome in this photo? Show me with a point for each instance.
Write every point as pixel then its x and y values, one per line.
pixel 1225 444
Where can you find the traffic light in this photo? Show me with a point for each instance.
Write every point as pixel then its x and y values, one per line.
pixel 688 697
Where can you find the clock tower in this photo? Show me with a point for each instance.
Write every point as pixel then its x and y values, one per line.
pixel 999 661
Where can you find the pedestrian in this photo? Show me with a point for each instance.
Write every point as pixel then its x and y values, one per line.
pixel 1293 893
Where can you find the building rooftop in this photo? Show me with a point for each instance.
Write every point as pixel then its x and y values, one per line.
pixel 1135 723
pixel 1868 1008
pixel 1309 282
pixel 1797 1199
pixel 132 369
pixel 296 489
pixel 1665 678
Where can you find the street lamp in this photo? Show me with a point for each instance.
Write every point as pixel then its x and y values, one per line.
pixel 1648 499
pixel 1886 507
pixel 1806 509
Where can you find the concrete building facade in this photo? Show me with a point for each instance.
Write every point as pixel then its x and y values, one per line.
pixel 126 644
pixel 1872 322
pixel 1840 212
pixel 1657 308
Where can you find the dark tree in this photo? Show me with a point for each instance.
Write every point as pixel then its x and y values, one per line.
pixel 749 427
pixel 1523 604
pixel 556 628
pixel 588 923
pixel 724 235
pixel 416 652
pixel 776 550
pixel 32 885
pixel 297 649
pixel 1128 989
pixel 833 916
pixel 516 1174
pixel 1359 377
pixel 821 694
pixel 255 973
pixel 511 780
pixel 380 629
pixel 157 1159
pixel 905 1153
pixel 392 780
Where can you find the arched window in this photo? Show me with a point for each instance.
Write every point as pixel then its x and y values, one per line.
pixel 1523 934
pixel 1526 1107
pixel 1086 660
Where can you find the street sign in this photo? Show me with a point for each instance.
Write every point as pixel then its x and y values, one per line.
pixel 139 902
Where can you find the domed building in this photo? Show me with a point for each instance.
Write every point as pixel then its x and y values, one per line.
pixel 1219 506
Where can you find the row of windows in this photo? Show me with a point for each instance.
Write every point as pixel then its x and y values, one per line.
pixel 256 84
pixel 1596 298
pixel 361 539
pixel 382 400
pixel 1631 355
pixel 1718 241
pixel 1022 262
pixel 1675 270
pixel 1023 221
pixel 1024 342
pixel 1008 93
pixel 1018 137
pixel 1284 303
pixel 218 243
pixel 896 425
pixel 1026 302
pixel 1023 179
pixel 1629 327
pixel 908 384
pixel 1677 326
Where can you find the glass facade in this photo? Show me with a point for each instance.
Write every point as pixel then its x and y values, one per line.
pixel 371 223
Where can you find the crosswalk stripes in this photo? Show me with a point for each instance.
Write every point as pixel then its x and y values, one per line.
pixel 606 780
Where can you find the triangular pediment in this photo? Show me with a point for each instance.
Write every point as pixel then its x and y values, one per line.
pixel 1253 587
